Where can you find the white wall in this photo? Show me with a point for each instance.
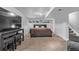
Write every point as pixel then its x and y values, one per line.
pixel 62 30
pixel 61 25
pixel 74 21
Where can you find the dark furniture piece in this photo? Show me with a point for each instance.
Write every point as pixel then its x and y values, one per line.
pixel 72 46
pixel 73 43
pixel 40 33
pixel 10 30
pixel 9 38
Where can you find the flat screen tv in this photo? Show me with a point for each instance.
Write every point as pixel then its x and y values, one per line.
pixel 9 22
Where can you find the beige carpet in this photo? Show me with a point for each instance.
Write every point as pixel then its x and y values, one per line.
pixel 54 43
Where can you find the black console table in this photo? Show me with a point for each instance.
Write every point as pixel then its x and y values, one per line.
pixel 9 38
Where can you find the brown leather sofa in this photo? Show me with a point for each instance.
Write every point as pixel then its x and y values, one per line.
pixel 40 33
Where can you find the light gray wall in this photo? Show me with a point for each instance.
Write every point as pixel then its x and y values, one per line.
pixel 74 21
pixel 62 30
pixel 62 27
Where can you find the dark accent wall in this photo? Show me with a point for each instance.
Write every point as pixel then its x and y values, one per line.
pixel 6 22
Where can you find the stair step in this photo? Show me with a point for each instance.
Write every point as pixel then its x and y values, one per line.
pixel 71 31
pixel 72 34
pixel 69 28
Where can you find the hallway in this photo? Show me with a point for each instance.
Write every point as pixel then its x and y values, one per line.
pixel 54 43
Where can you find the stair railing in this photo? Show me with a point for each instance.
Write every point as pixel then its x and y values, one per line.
pixel 77 34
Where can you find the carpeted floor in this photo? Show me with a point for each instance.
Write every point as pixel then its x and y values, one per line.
pixel 54 43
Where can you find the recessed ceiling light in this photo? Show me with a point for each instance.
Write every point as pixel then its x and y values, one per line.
pixel 59 9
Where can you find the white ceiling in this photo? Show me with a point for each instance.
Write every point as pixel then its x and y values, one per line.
pixel 34 12
pixel 58 13
pixel 65 10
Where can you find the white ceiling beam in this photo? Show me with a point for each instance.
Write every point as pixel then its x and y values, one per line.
pixel 49 11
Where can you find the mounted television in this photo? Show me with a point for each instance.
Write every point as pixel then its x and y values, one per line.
pixel 8 21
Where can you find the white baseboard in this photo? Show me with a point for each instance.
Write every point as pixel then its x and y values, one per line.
pixel 66 39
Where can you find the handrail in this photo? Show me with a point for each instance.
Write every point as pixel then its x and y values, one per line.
pixel 77 34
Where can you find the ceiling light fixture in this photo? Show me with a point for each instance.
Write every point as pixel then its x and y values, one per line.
pixel 59 9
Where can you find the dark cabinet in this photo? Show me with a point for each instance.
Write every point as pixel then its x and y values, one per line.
pixel 8 39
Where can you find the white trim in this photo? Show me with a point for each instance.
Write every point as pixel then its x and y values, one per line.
pixel 66 39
